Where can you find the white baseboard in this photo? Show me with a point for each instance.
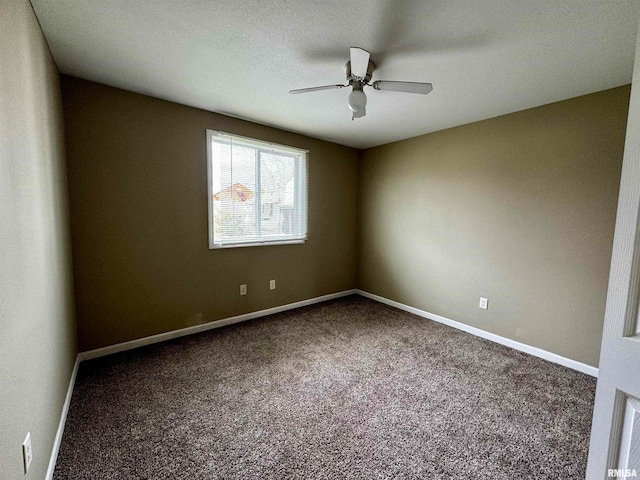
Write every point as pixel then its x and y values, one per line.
pixel 63 419
pixel 161 337
pixel 523 347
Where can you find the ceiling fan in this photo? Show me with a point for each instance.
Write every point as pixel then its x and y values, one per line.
pixel 358 71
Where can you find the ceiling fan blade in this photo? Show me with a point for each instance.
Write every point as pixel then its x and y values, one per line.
pixel 359 62
pixel 359 113
pixel 407 87
pixel 316 89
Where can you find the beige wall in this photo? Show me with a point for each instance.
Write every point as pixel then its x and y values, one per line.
pixel 138 190
pixel 37 328
pixel 519 209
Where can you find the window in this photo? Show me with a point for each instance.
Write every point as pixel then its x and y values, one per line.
pixel 257 192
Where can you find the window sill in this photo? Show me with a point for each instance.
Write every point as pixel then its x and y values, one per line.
pixel 258 244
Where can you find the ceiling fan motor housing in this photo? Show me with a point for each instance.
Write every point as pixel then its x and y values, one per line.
pixel 351 78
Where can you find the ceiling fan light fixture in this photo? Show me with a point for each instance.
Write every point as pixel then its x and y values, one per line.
pixel 357 100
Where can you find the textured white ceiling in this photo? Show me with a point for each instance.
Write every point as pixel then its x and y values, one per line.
pixel 240 58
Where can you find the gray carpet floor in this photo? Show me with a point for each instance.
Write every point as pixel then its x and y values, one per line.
pixel 344 389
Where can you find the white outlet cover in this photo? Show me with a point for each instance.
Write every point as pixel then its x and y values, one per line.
pixel 243 289
pixel 272 284
pixel 27 454
pixel 484 303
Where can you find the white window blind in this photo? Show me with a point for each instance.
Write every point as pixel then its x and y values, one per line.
pixel 257 192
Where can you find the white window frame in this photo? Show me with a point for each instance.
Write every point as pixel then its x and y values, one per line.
pixel 301 189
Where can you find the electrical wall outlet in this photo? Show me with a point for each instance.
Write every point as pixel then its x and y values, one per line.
pixel 243 289
pixel 27 454
pixel 272 284
pixel 484 303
